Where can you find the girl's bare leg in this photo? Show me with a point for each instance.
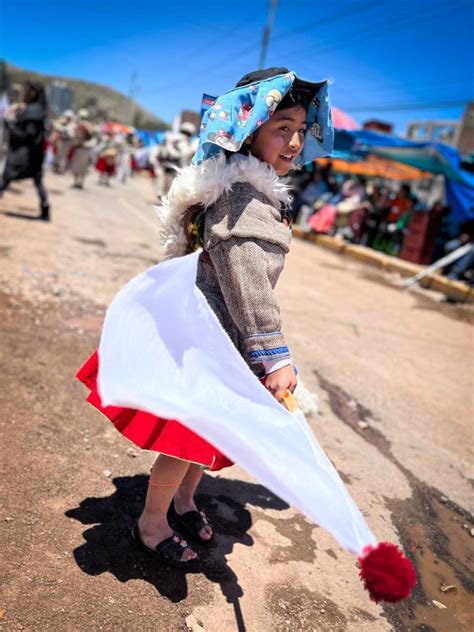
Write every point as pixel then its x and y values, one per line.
pixel 167 474
pixel 184 496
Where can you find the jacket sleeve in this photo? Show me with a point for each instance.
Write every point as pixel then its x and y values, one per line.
pixel 26 135
pixel 247 249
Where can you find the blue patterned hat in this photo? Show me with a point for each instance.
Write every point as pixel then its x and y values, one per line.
pixel 237 114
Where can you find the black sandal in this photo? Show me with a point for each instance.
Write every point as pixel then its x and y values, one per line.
pixel 191 523
pixel 168 552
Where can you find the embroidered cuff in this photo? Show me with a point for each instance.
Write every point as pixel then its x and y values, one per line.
pixel 266 347
pixel 275 354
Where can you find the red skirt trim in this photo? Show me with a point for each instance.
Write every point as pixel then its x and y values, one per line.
pixel 150 432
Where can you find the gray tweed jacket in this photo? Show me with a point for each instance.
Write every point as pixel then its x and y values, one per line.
pixel 246 242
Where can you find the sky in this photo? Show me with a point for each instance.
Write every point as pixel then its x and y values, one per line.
pixel 396 60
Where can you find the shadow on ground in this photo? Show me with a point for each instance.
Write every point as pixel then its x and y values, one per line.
pixel 108 547
pixel 20 215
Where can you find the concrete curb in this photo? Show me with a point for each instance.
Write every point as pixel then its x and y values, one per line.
pixel 452 289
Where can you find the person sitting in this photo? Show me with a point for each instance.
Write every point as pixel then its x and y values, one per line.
pixel 463 268
pixel 310 193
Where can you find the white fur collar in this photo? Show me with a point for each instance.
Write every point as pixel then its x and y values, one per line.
pixel 204 184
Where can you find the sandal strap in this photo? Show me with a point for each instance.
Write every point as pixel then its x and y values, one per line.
pixel 172 548
pixel 194 520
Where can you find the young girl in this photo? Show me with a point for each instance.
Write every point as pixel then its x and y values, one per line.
pixel 236 209
pixel 180 338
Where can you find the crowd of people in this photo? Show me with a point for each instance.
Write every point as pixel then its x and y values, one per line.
pixel 115 151
pixel 363 212
pixel 73 144
pixel 372 213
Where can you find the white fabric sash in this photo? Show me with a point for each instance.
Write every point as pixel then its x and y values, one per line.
pixel 164 351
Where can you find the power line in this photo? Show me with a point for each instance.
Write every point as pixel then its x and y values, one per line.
pixel 377 29
pixel 251 48
pixel 407 106
pixel 325 20
pixel 356 8
pixel 419 86
pixel 425 95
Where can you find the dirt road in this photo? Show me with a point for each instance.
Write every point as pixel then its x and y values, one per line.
pixel 394 375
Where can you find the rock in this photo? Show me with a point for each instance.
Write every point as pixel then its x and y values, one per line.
pixel 439 605
pixel 471 532
pixel 322 611
pixel 443 499
pixel 363 425
pixel 8 518
pixel 107 473
pixel 131 452
pixel 56 291
pixel 193 625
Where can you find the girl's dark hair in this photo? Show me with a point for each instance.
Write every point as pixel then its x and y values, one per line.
pixel 294 98
pixel 300 94
pixel 38 89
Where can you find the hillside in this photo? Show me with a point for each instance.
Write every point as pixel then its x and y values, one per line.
pixel 96 97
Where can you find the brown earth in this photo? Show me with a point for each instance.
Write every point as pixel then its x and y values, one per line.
pixel 71 485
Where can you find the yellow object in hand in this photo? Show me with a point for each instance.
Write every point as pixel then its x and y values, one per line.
pixel 289 401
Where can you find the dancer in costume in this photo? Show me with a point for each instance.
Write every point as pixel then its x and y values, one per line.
pixel 106 163
pixel 62 137
pixel 204 336
pixel 246 232
pixel 26 123
pixel 80 156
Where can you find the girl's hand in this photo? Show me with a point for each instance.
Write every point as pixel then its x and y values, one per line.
pixel 280 380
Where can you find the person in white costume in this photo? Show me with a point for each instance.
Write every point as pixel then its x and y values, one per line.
pixel 203 334
pixel 81 150
pixel 176 152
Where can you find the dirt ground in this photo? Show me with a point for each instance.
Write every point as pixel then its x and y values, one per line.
pixel 393 371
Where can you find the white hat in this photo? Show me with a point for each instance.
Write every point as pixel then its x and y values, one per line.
pixel 187 128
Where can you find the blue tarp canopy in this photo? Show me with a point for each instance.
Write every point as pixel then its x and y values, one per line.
pixel 432 157
pixel 150 137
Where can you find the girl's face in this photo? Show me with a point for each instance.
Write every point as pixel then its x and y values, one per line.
pixel 281 139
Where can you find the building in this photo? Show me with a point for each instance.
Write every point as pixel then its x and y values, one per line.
pixel 378 126
pixel 435 131
pixel 465 134
pixel 459 134
pixel 60 96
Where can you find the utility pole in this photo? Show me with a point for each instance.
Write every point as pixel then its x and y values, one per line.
pixel 267 31
pixel 132 93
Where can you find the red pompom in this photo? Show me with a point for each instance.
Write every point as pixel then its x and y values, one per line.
pixel 387 574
